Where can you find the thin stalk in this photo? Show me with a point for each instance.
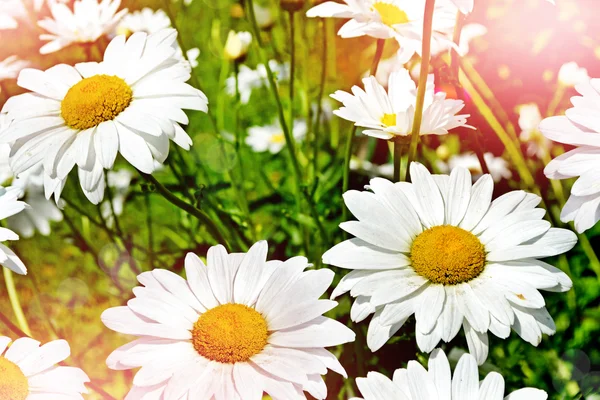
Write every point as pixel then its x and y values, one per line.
pixel 315 158
pixel 112 207
pixel 347 157
pixel 15 329
pixel 378 54
pixel 150 230
pixel 425 60
pixel 292 68
pixel 14 301
pixel 398 150
pixel 554 103
pixel 189 208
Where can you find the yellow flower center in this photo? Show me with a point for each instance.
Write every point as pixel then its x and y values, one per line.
pixel 448 255
pixel 13 384
pixel 390 14
pixel 278 138
pixel 230 333
pixel 94 100
pixel 389 119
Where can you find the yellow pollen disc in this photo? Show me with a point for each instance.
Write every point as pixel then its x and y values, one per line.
pixel 278 138
pixel 390 14
pixel 448 255
pixel 389 119
pixel 94 100
pixel 13 384
pixel 230 333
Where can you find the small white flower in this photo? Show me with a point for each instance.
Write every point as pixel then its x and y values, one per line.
pixel 131 103
pixel 145 20
pixel 570 74
pixel 497 166
pixel 390 114
pixel 264 16
pixel 271 138
pixel 84 24
pixel 237 327
pixel 237 45
pixel 250 79
pixel 417 383
pixel 11 12
pixel 580 128
pixel 386 19
pixel 9 206
pixel 529 120
pixel 441 249
pixel 31 371
pixel 10 67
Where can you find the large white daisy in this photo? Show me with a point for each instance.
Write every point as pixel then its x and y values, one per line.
pixel 30 371
pixel 85 23
pixel 390 114
pixel 131 103
pixel 237 327
pixel 580 128
pixel 441 249
pixel 10 68
pixel 9 206
pixel 386 19
pixel 436 383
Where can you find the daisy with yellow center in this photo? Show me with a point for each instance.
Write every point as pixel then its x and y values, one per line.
pixel 238 327
pixel 130 103
pixel 29 371
pixel 390 19
pixel 390 114
pixel 270 138
pixel 9 207
pixel 441 249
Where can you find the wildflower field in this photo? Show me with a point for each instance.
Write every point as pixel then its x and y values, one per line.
pixel 299 199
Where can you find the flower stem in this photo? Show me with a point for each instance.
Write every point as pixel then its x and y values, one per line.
pixel 292 69
pixel 14 301
pixel 315 158
pixel 425 59
pixel 346 178
pixel 189 208
pixel 398 150
pixel 378 54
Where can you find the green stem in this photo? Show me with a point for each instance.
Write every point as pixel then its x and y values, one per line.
pixel 425 60
pixel 14 301
pixel 398 149
pixel 292 69
pixel 150 230
pixel 315 159
pixel 346 178
pixel 199 214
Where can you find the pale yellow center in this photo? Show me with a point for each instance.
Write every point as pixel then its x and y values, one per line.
pixel 389 119
pixel 13 384
pixel 278 138
pixel 447 255
pixel 94 100
pixel 230 333
pixel 390 14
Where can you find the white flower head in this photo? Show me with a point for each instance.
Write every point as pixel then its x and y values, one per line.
pixel 11 13
pixel 386 19
pixel 144 20
pixel 131 103
pixel 264 16
pixel 571 74
pixel 271 138
pixel 441 249
pixel 388 115
pixel 9 206
pixel 237 45
pixel 237 327
pixel 417 383
pixel 250 79
pixel 498 166
pixel 579 128
pixel 30 371
pixel 88 20
pixel 10 68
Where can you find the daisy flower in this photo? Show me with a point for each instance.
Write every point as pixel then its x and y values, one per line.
pixel 441 249
pixel 145 20
pixel 9 206
pixel 131 103
pixel 579 128
pixel 386 19
pixel 388 115
pixel 416 383
pixel 571 74
pixel 250 79
pixel 237 327
pixel 529 120
pixel 497 166
pixel 11 11
pixel 84 24
pixel 10 67
pixel 271 138
pixel 30 371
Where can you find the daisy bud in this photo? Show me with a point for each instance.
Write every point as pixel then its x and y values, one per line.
pixel 292 5
pixel 264 17
pixel 236 47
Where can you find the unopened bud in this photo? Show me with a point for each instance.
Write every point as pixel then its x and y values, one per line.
pixel 292 5
pixel 237 45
